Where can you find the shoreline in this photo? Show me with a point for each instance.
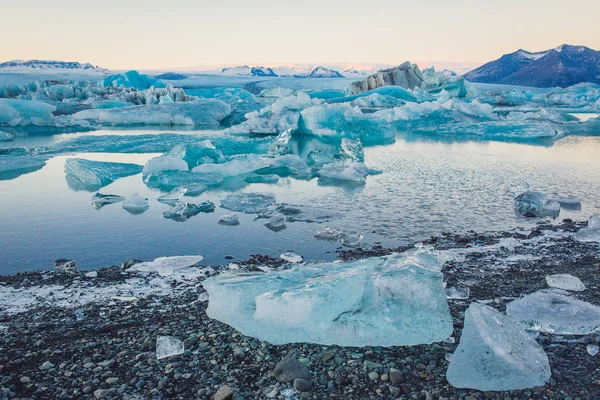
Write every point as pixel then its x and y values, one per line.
pixel 101 344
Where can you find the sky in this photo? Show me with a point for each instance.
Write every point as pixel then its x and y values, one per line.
pixel 177 34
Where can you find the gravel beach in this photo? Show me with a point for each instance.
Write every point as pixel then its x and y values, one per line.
pixel 78 336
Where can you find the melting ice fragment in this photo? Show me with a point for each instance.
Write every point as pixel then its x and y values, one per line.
pixel 291 257
pixel 230 220
pixel 591 233
pixel 537 204
pixel 168 346
pixel 276 223
pixel 457 293
pixel 248 203
pixel 164 163
pixel 354 172
pixel 173 196
pixel 165 266
pixel 565 282
pixel 182 211
pixel 351 239
pixel 592 349
pixel 568 203
pixel 93 175
pixel 100 200
pixel 136 204
pixel 553 312
pixel 328 234
pixel 380 301
pixel 495 354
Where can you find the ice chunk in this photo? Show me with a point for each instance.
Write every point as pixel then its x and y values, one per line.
pixel 592 349
pixel 457 293
pixel 406 75
pixel 351 238
pixel 355 172
pixel 382 301
pixel 568 203
pixel 169 180
pixel 259 178
pixel 165 266
pixel 536 203
pixel 182 211
pixel 351 150
pixel 204 113
pixel 328 234
pixel 281 145
pixel 6 137
pixel 194 189
pixel 136 204
pixel 100 200
pixel 276 223
pixel 207 207
pixel 24 112
pixel 291 257
pixel 565 282
pixel 92 175
pixel 174 196
pixel 496 354
pixel 248 203
pixel 164 163
pixel 278 92
pixel 230 220
pixel 132 79
pixel 12 166
pixel 553 312
pixel 168 346
pixel 196 154
pixel 591 233
pixel 239 165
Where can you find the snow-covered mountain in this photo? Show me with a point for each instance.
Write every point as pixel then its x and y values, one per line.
pixel 321 72
pixel 283 70
pixel 562 66
pixel 50 65
pixel 245 70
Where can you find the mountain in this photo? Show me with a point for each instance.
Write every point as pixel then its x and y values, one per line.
pixel 50 64
pixel 563 66
pixel 320 72
pixel 245 70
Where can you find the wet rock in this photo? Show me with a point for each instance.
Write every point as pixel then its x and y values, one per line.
pixel 289 369
pixel 224 393
pixel 302 385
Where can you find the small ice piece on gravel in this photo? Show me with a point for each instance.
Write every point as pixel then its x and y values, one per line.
pixel 92 274
pixel 457 293
pixel 68 266
pixel 552 312
pixel 351 239
pixel 136 204
pixel 565 282
pixel 328 234
pixel 166 265
pixel 229 220
pixel 536 203
pixel 173 196
pixel 592 349
pixel 100 200
pixel 248 203
pixel 276 223
pixel 496 354
pixel 591 233
pixel 291 257
pixel 168 346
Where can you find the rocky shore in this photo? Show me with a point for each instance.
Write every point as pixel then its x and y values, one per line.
pixel 81 335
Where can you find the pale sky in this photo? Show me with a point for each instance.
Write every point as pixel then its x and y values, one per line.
pixel 151 34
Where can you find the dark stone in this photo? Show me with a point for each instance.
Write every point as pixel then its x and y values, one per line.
pixel 302 385
pixel 289 369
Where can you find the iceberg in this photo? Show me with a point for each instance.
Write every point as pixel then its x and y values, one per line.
pixel 229 220
pixel 168 180
pixel 182 211
pixel 100 200
pixel 568 203
pixel 205 113
pixel 196 154
pixel 381 301
pixel 406 75
pixel 12 166
pixel 328 234
pixel 164 163
pixel 167 346
pixel 565 282
pixel 136 204
pixel 248 203
pixel 165 266
pixel 93 175
pixel 132 79
pixel 536 203
pixel 496 354
pixel 554 312
pixel 355 172
pixel 349 239
pixel 6 137
pixel 591 233
pixel 24 112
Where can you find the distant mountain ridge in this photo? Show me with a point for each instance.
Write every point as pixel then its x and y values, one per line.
pixel 562 66
pixel 296 72
pixel 51 64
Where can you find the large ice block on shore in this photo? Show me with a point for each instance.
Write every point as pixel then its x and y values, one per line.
pixel 380 301
pixel 204 112
pixel 93 175
pixel 495 353
pixel 553 312
pixel 591 233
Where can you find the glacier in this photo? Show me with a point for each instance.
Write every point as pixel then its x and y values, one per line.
pixel 92 175
pixel 381 301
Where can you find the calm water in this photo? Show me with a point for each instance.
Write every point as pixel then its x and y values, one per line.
pixel 428 186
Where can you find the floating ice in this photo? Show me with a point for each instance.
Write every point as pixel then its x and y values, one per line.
pixel 169 180
pixel 281 145
pixel 93 175
pixel 496 354
pixel 259 178
pixel 591 233
pixel 167 346
pixel 182 211
pixel 230 220
pixel 351 238
pixel 12 166
pixel 276 223
pixel 248 203
pixel 536 203
pixel 165 266
pixel 6 137
pixel 592 349
pixel 196 154
pixel 565 282
pixel 568 203
pixel 132 79
pixel 164 163
pixel 457 293
pixel 25 112
pixel 297 213
pixel 354 172
pixel 136 204
pixel 291 257
pixel 328 234
pixel 553 312
pixel 382 301
pixel 174 196
pixel 100 200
